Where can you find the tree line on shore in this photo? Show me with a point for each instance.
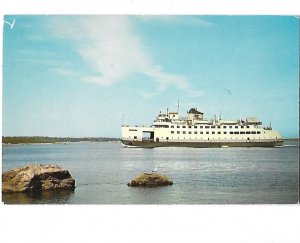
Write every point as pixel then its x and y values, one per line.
pixel 41 139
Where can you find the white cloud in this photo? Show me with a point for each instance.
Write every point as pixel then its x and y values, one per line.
pixel 64 71
pixel 113 51
pixel 176 19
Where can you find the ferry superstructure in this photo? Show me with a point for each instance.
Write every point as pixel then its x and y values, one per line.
pixel 168 130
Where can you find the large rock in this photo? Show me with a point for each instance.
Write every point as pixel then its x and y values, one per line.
pixel 150 180
pixel 37 177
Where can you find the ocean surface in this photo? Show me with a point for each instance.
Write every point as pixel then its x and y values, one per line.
pixel 200 175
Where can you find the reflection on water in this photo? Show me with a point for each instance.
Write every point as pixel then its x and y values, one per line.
pixel 48 197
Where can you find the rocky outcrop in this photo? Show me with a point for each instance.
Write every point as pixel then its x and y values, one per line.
pixel 33 178
pixel 150 180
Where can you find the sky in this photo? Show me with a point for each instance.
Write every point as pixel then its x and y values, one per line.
pixel 85 75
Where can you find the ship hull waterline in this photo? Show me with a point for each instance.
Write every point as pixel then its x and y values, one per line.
pixel 152 144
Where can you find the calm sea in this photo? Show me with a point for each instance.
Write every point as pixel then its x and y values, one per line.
pixel 200 175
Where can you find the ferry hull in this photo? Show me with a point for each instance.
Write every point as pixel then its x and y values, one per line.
pixel 152 144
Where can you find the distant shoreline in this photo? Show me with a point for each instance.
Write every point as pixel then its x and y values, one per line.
pixel 52 140
pixel 291 139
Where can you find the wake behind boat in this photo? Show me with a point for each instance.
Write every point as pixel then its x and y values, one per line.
pixel 169 130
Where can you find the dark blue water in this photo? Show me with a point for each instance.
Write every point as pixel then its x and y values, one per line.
pixel 201 176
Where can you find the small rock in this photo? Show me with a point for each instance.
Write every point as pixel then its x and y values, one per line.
pixel 150 180
pixel 37 177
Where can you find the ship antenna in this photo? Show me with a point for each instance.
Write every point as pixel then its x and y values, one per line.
pixel 177 106
pixel 123 119
pixel 220 116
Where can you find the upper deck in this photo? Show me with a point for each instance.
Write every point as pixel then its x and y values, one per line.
pixel 196 117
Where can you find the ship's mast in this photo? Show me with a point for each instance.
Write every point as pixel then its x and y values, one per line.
pixel 123 119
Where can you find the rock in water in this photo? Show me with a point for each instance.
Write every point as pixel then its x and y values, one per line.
pixel 33 178
pixel 150 180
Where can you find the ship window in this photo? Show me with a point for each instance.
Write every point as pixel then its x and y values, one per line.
pixel 242 132
pixel 183 132
pixel 195 132
pixel 219 126
pixel 201 132
pixel 224 126
pixel 167 138
pixel 201 126
pixel 183 126
pixel 212 126
pixel 236 127
pixel 219 132
pixel 253 132
pixel 132 130
pixel 231 132
pixel 230 126
pixel 247 132
pixel 172 126
pixel 178 132
pixel 178 126
pixel 206 126
pixel 172 132
pixel 248 126
pixel 213 132
pixel 236 132
pixel 225 132
pixel 195 126
pixel 135 137
pixel 190 126
pixel 207 132
pixel 190 132
pixel 258 132
pixel 242 126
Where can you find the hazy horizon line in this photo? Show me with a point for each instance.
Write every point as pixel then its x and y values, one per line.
pixel 298 138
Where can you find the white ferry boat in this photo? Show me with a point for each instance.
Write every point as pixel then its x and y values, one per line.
pixel 168 130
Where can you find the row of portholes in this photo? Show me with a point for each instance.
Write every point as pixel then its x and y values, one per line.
pixel 218 138
pixel 231 132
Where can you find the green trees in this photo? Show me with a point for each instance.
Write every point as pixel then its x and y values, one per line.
pixel 40 139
